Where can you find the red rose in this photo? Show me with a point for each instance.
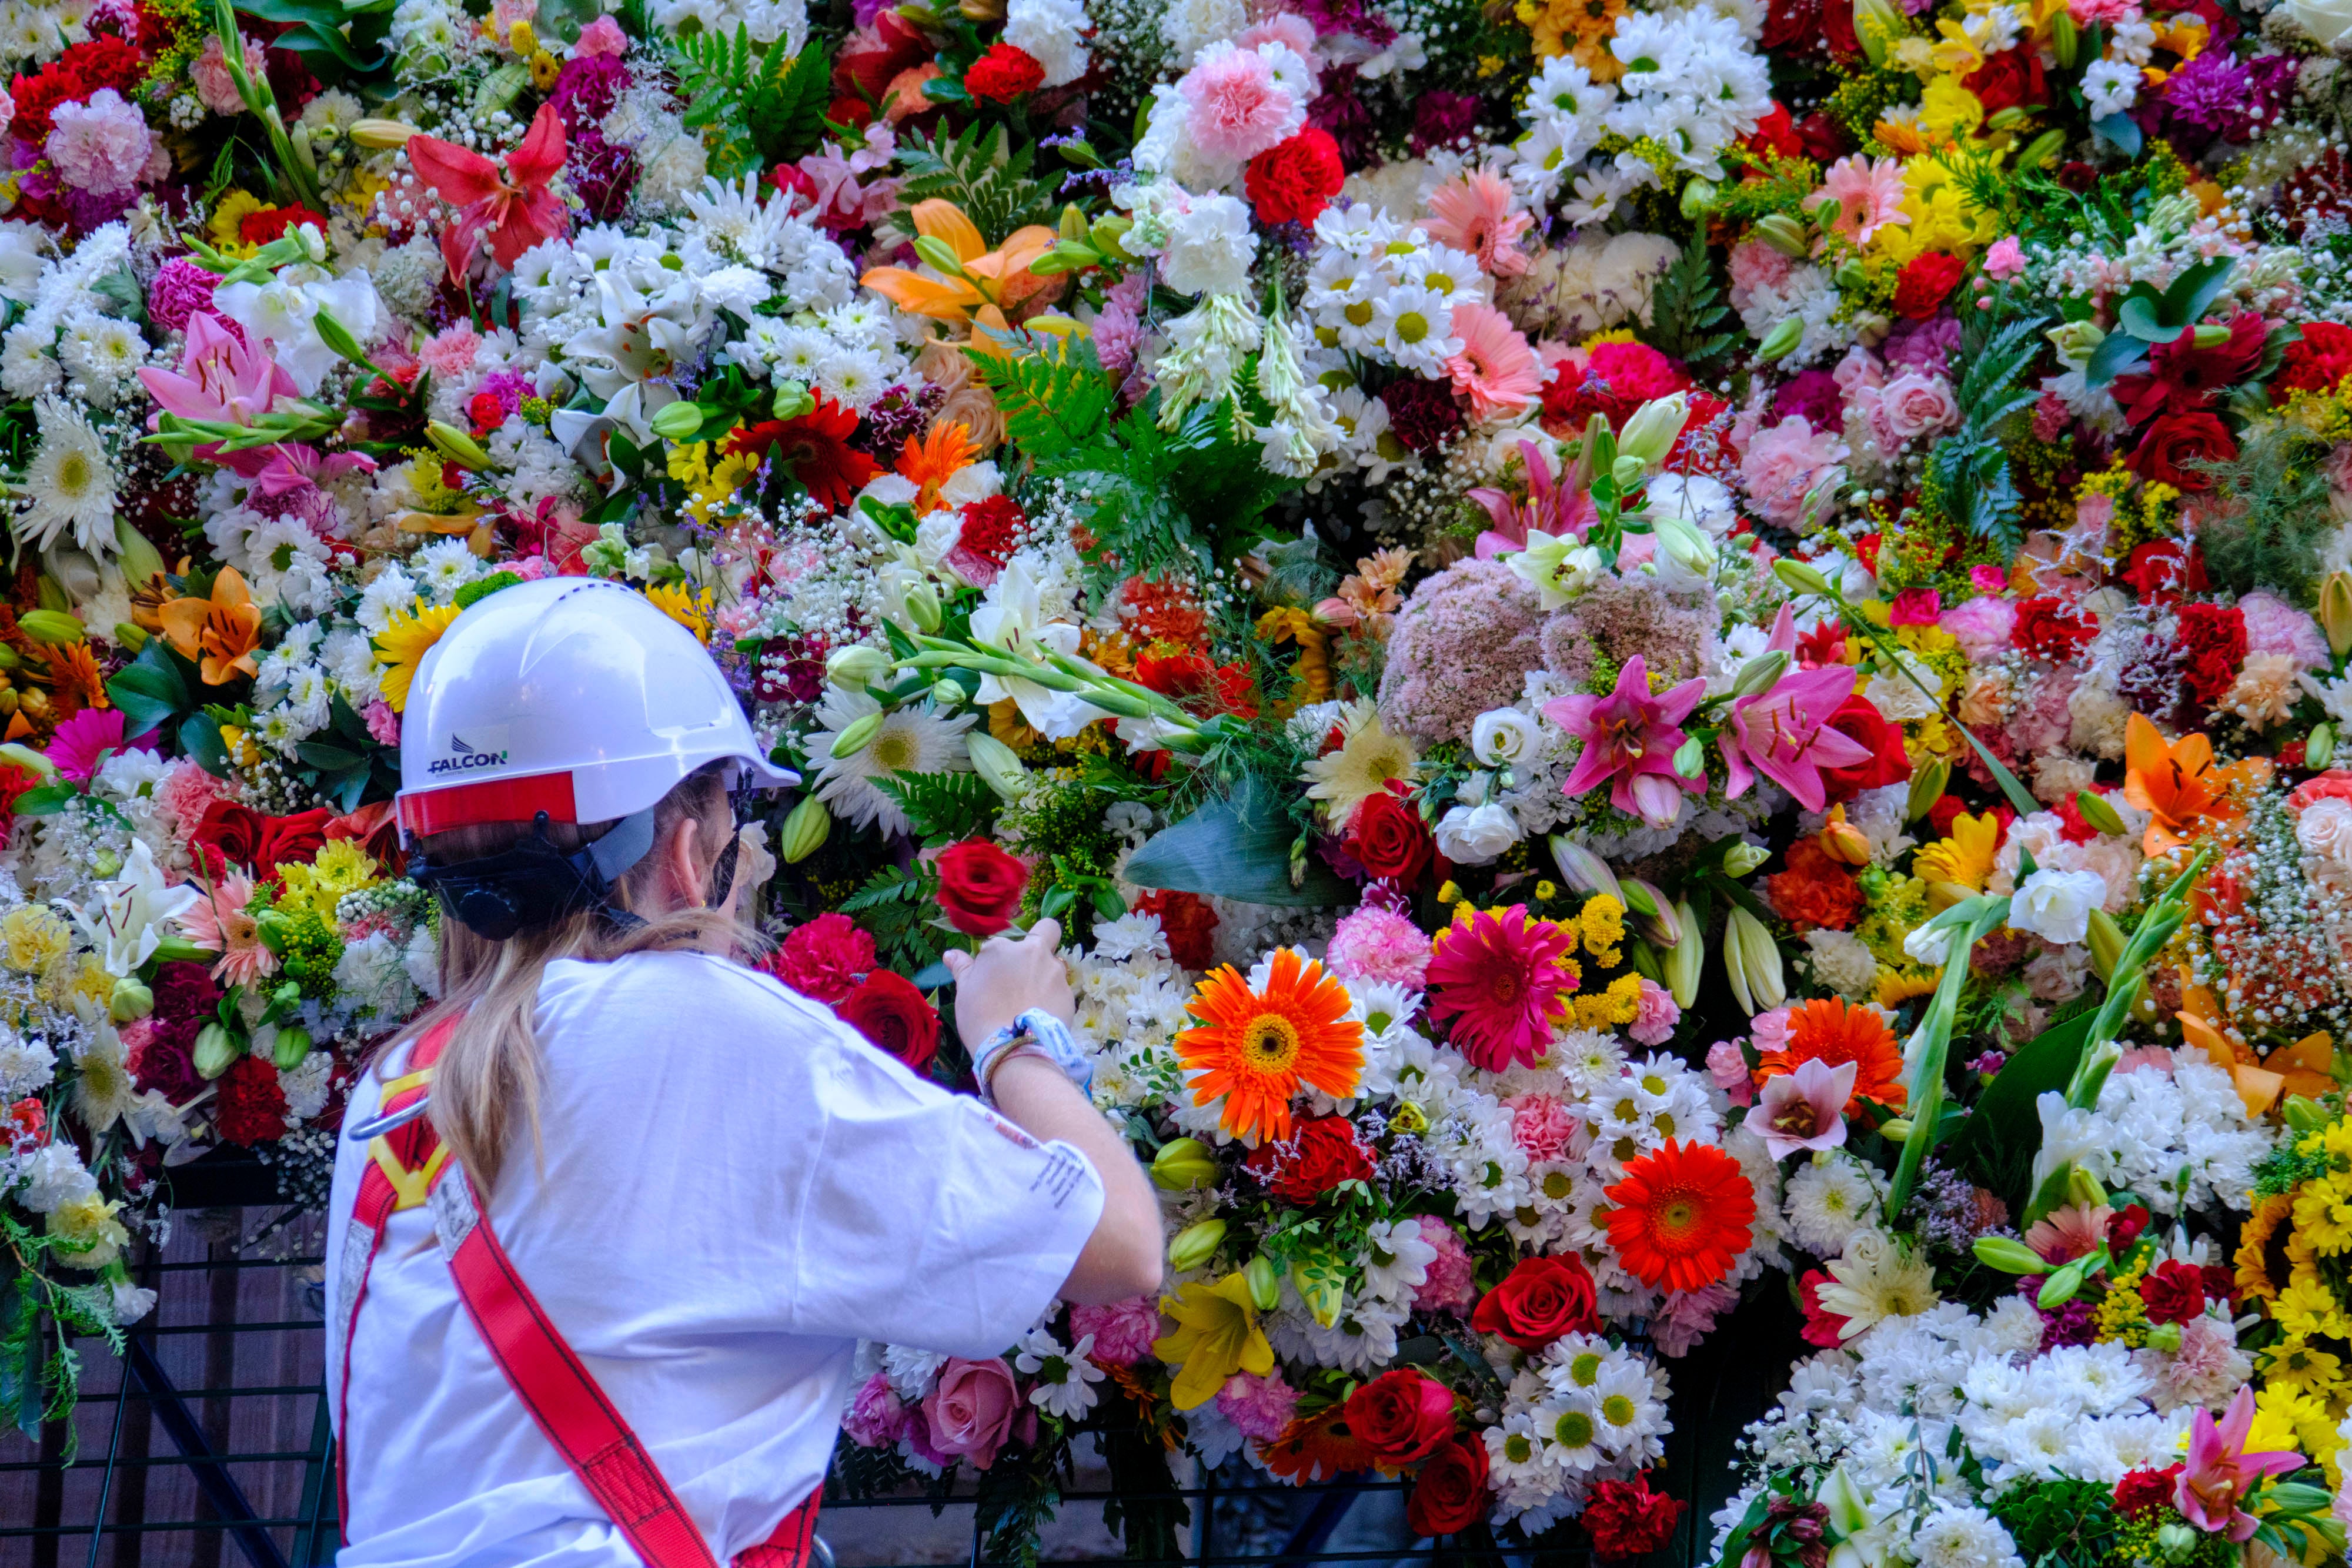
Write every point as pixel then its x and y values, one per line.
pixel 2174 444
pixel 2211 639
pixel 1837 31
pixel 1450 1493
pixel 2173 1292
pixel 243 836
pixel 1791 24
pixel 251 1106
pixel 1388 838
pixel 2006 80
pixel 2161 570
pixel 2141 1490
pixel 2316 363
pixel 1775 135
pixel 1538 1300
pixel 1324 1154
pixel 1402 1416
pixel 1856 719
pixel 826 959
pixel 1921 288
pixel 980 887
pixel 1292 182
pixel 1825 140
pixel 1004 73
pixel 891 1013
pixel 1188 923
pixel 1626 1518
pixel 2047 628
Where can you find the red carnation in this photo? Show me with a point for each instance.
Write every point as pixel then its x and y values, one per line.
pixel 826 959
pixel 2161 570
pixel 1537 1301
pixel 1626 1518
pixel 1004 73
pixel 266 224
pixel 2173 1292
pixel 1816 890
pixel 1402 1416
pixel 1856 719
pixel 1921 288
pixel 1322 1154
pixel 1450 1493
pixel 2047 628
pixel 1292 182
pixel 1186 921
pixel 1774 135
pixel 889 1011
pixel 251 1106
pixel 2177 447
pixel 988 536
pixel 2317 362
pixel 1388 838
pixel 980 887
pixel 2141 1490
pixel 2211 639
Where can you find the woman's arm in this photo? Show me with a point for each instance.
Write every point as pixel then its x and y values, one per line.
pixel 1122 1258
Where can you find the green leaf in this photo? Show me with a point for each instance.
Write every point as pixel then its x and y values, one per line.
pixel 2138 317
pixel 150 690
pixel 2120 354
pixel 786 116
pixel 2006 1126
pixel 200 737
pixel 2185 302
pixel 328 758
pixel 1239 848
pixel 46 800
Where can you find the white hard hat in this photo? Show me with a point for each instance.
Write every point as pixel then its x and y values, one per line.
pixel 571 696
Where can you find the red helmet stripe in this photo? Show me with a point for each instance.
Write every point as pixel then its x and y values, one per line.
pixel 426 811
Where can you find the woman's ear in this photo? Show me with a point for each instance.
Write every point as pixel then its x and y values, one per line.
pixel 681 865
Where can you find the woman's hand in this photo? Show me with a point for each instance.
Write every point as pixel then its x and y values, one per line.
pixel 1006 978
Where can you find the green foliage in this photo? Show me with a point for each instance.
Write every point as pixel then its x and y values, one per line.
pixel 896 905
pixel 983 174
pixel 787 114
pixel 1055 397
pixel 761 108
pixel 2273 515
pixel 1968 473
pixel 942 808
pixel 2060 1523
pixel 1143 1506
pixel 1016 1499
pixel 40 1373
pixel 1686 306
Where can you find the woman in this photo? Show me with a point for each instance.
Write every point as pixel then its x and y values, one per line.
pixel 610 1219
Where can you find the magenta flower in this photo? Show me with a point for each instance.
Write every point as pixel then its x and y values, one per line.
pixel 1630 738
pixel 2221 1473
pixel 81 745
pixel 1550 507
pixel 220 378
pixel 1804 1109
pixel 1784 735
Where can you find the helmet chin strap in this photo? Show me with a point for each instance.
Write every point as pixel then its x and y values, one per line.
pixel 534 884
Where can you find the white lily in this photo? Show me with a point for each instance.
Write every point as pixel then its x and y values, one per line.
pixel 123 917
pixel 1012 619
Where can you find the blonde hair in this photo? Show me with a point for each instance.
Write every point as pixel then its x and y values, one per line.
pixel 489 1072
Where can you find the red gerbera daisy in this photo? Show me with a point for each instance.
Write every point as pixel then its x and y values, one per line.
pixel 815 447
pixel 1504 978
pixel 1683 1214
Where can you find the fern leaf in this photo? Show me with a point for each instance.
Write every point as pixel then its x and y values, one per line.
pixel 786 114
pixel 1054 399
pixel 942 808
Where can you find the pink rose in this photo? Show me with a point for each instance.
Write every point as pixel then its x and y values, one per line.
pixel 1726 1064
pixel 876 1418
pixel 1913 404
pixel 1860 368
pixel 970 1411
pixel 1786 464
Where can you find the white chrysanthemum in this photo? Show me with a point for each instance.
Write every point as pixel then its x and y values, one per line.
pixel 27 1066
pixel 1957 1535
pixel 1829 1198
pixel 69 485
pixel 911 1372
pixel 912 740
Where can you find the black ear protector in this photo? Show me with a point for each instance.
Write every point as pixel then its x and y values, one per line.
pixel 535 884
pixel 722 871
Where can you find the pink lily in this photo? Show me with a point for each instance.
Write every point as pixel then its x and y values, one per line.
pixel 513 207
pixel 2219 1472
pixel 1630 736
pixel 1784 735
pixel 223 379
pixel 1550 507
pixel 1804 1109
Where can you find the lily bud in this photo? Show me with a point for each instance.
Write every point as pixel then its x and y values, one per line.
pixel 1876 25
pixel 337 336
pixel 1658 918
pixel 1264 1277
pixel 792 400
pixel 16 754
pixel 292 1045
pixel 2210 334
pixel 1942 895
pixel 2319 747
pixel 1783 233
pixel 996 764
pixel 1320 1286
pixel 855 738
pixel 1685 543
pixel 1690 757
pixel 677 421
pixel 456 446
pixel 2105 940
pixel 1698 199
pixel 1802 578
pixel 131 999
pixel 1195 1245
pixel 1682 964
pixel 857 667
pixel 2083 1188
pixel 379 134
pixel 2066 38
pixel 1896 1129
pixel 216 1050
pixel 2305 1114
pixel 1761 673
pixel 805 831
pixel 52 626
pixel 940 254
pixel 923 607
pixel 1582 870
pixel 2008 1255
pixel 2061 1287
pixel 1627 471
pixel 946 695
pixel 1182 1165
pixel 2098 812
pixel 2043 148
pixel 1742 858
pixel 270 926
pixel 1781 340
pixel 1759 982
pixel 142 563
pixel 2336 610
pixel 1843 842
pixel 1650 434
pixel 1927 783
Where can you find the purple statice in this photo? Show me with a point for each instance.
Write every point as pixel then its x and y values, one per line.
pixel 602 174
pixel 1948 1211
pixel 1812 396
pixel 1442 118
pixel 1924 345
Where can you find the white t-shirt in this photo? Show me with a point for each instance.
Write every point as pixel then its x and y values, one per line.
pixel 737 1189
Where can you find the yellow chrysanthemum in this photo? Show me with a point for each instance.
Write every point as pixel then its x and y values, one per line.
pixel 2286 1417
pixel 2323 1214
pixel 1603 920
pixel 2308 1309
pixel 401 645
pixel 2297 1363
pixel 340 867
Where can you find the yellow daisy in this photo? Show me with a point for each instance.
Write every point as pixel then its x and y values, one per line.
pixel 401 646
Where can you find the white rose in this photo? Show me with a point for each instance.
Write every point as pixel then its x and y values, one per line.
pixel 2057 904
pixel 1502 736
pixel 2324 20
pixel 1473 835
pixel 2325 830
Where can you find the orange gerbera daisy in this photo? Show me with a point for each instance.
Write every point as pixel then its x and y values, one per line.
pixel 1683 1214
pixel 1257 1047
pixel 931 460
pixel 1832 1031
pixel 1316 1448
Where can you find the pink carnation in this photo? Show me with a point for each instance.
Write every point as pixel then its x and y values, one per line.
pixel 875 1418
pixel 216 89
pixel 1981 627
pixel 2005 260
pixel 450 353
pixel 601 37
pixel 1238 109
pixel 1656 1015
pixel 1754 265
pixel 1376 943
pixel 1785 464
pixel 1123 1330
pixel 101 147
pixel 181 289
pixel 1688 1315
pixel 1450 1285
pixel 382 722
pixel 1258 1407
pixel 1545 1129
pixel 187 790
pixel 2274 626
pixel 1287 28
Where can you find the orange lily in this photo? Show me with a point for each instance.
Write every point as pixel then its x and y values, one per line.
pixel 2176 782
pixel 221 632
pixel 979 277
pixel 2258 1087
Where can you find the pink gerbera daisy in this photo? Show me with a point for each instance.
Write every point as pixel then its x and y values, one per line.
pixel 1474 213
pixel 1496 368
pixel 219 923
pixel 1500 976
pixel 1238 109
pixel 1869 195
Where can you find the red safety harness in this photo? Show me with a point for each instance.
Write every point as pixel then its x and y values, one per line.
pixel 407 1167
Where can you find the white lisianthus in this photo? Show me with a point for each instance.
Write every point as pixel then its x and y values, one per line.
pixel 1501 736
pixel 1474 835
pixel 2057 904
